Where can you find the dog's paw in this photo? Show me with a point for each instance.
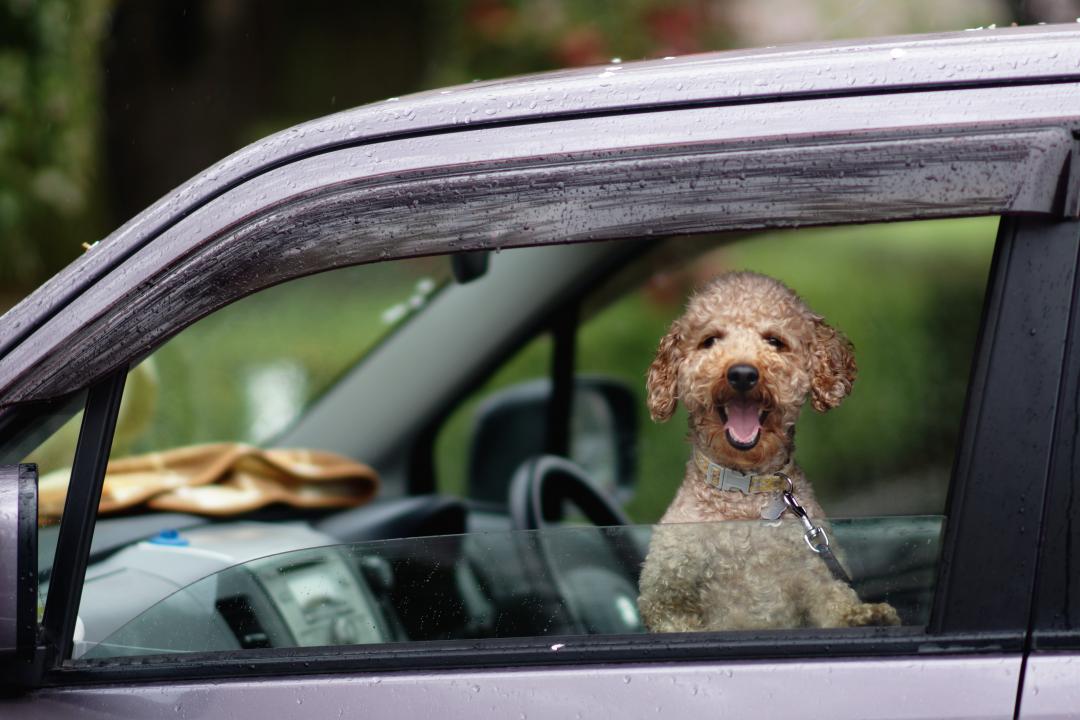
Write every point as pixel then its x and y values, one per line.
pixel 871 614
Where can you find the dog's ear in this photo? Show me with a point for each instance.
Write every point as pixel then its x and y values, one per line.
pixel 664 376
pixel 832 368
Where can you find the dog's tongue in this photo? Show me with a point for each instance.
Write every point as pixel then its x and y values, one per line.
pixel 743 422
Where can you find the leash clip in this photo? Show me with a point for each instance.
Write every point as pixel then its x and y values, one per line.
pixel 815 536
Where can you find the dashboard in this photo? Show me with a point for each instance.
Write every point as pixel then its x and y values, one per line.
pixel 230 586
pixel 322 600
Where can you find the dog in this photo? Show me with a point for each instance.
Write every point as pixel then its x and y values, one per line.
pixel 743 359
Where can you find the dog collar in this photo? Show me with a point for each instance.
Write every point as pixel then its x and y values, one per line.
pixel 725 478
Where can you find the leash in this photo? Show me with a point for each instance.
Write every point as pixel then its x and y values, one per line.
pixel 719 477
pixel 816 538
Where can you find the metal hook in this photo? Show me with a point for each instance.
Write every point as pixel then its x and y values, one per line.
pixel 786 478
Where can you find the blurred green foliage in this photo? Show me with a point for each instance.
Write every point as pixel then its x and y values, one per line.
pixel 49 131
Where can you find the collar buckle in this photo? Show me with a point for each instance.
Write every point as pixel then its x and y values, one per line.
pixel 734 480
pixel 723 478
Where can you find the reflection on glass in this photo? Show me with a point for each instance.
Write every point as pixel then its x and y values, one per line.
pixel 554 582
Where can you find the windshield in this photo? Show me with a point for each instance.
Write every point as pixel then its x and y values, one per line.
pixel 559 581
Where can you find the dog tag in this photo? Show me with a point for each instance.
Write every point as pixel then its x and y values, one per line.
pixel 774 509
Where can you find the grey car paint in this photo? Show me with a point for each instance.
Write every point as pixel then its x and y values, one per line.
pixel 972 687
pixel 1051 687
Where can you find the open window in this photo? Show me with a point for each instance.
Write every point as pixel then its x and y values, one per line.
pixel 251 543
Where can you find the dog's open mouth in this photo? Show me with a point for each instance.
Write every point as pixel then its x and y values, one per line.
pixel 742 422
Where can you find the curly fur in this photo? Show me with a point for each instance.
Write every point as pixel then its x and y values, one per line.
pixel 749 574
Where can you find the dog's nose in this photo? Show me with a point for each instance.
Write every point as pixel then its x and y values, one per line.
pixel 742 377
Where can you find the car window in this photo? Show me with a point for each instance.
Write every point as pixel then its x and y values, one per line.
pixel 552 582
pixel 203 449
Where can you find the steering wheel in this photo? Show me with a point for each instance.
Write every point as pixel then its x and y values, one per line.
pixel 594 569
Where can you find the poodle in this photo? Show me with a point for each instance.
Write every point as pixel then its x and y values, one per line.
pixel 743 359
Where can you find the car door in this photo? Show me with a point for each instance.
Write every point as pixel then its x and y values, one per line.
pixel 615 176
pixel 967 656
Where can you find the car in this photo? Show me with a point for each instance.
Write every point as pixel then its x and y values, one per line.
pixel 445 305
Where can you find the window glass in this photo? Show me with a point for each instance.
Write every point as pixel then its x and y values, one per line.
pixel 555 581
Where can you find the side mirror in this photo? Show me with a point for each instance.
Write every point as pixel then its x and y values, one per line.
pixel 18 566
pixel 511 427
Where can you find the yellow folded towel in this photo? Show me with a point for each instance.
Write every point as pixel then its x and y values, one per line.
pixel 222 479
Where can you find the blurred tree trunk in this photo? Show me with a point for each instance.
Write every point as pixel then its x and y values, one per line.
pixel 190 81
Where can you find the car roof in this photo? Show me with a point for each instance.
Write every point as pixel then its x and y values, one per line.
pixel 977 59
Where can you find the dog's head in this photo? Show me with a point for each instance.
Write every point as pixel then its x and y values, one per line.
pixel 743 358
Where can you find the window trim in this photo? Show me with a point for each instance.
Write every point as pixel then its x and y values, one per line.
pixel 1026 311
pixel 592 650
pixel 1057 593
pixel 80 512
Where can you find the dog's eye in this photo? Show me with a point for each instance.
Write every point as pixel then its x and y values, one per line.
pixel 710 341
pixel 775 342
